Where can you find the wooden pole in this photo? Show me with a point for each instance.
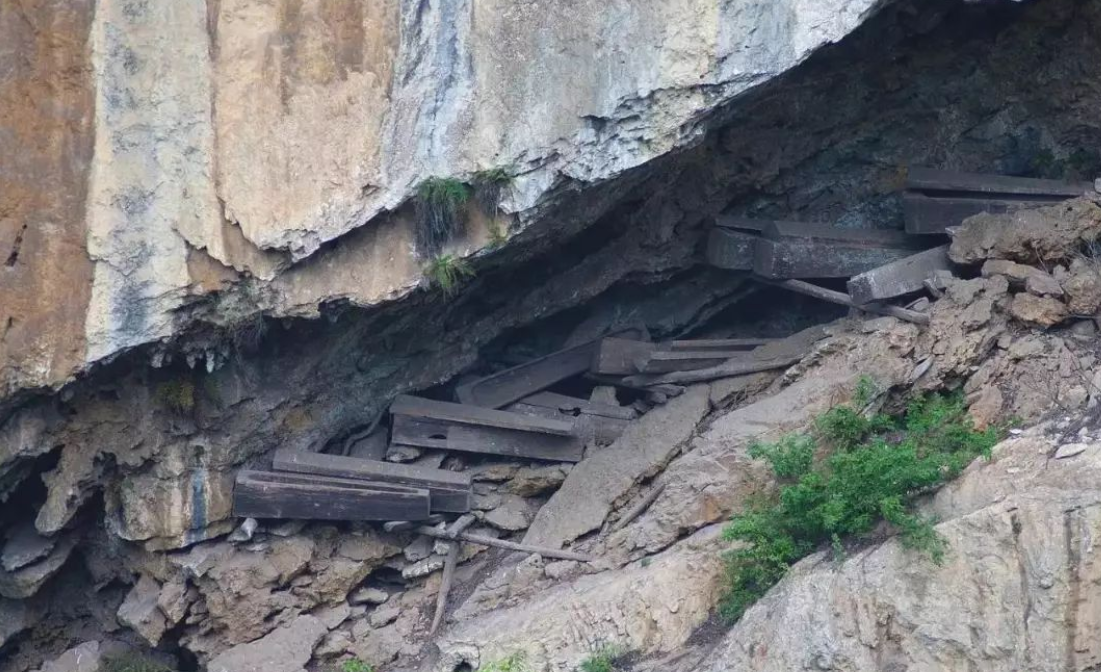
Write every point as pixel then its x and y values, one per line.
pixel 507 545
pixel 638 509
pixel 449 565
pixel 734 367
pixel 844 300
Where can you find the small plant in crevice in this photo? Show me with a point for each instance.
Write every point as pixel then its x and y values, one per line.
pixel 604 659
pixel 439 210
pixel 840 482
pixel 447 271
pixel 516 662
pixel 356 665
pixel 489 185
pixel 177 395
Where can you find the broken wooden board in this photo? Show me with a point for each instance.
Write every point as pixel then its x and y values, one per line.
pixel 487 440
pixel 732 250
pixel 935 180
pixel 463 414
pixel 448 491
pixel 668 361
pixel 266 494
pixel 931 215
pixel 718 344
pixel 570 405
pixel 802 250
pixel 598 429
pixel 900 277
pixel 618 356
pixel 505 387
pixel 625 383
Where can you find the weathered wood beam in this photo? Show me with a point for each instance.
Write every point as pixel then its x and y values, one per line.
pixel 728 369
pixel 564 403
pixel 898 278
pixel 477 416
pixel 732 250
pixel 844 300
pixel 697 344
pixel 806 250
pixel 488 440
pixel 448 490
pixel 932 215
pixel 259 494
pixel 618 356
pixel 932 179
pixel 505 387
pixel 507 545
pixel 449 565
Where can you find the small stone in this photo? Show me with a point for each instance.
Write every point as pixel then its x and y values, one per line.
pixel 1017 274
pixel 1083 289
pixel 512 515
pixel 384 614
pixel 403 453
pixel 1041 310
pixel 336 643
pixel 560 569
pixel 24 546
pixel 367 595
pixel 1042 284
pixel 423 568
pixel 486 502
pixel 288 528
pixel 1083 329
pixel 535 481
pixel 1070 450
pixel 286 649
pixel 921 305
pixel 333 616
pixel 420 549
pixel 141 612
pixel 245 531
pixel 494 473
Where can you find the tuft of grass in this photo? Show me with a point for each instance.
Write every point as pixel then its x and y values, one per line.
pixel 356 665
pixel 176 395
pixel 439 205
pixel 516 662
pixel 488 187
pixel 132 662
pixel 603 660
pixel 447 271
pixel 873 470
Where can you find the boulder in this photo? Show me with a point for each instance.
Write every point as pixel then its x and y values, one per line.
pixel 286 649
pixel 1049 233
pixel 24 546
pixel 513 514
pixel 535 481
pixel 140 610
pixel 1083 289
pixel 26 581
pixel 596 483
pixel 1044 311
pixel 1042 284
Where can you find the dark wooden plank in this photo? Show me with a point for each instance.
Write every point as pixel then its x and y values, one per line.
pixel 420 432
pixel 928 215
pixel 900 277
pixel 666 362
pixel 511 443
pixel 618 356
pixel 590 428
pixel 477 416
pixel 732 250
pixel 718 344
pixel 505 387
pixel 449 491
pixel 844 299
pixel 625 383
pixel 935 180
pixel 820 259
pixel 261 494
pixel 561 402
pixel 818 232
pixel 740 223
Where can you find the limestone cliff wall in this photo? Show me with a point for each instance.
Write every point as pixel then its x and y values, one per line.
pixel 154 152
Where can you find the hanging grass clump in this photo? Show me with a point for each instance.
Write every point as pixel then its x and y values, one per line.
pixel 439 209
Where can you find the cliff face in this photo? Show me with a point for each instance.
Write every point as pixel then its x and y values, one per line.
pixel 156 152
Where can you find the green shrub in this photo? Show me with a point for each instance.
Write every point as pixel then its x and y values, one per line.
pixel 132 662
pixel 873 470
pixel 517 662
pixel 447 271
pixel 603 660
pixel 356 665
pixel 488 187
pixel 439 206
pixel 176 395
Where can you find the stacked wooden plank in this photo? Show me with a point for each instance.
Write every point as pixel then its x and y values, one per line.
pixel 619 357
pixel 937 199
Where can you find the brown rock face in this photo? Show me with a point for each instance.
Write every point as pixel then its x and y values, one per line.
pixel 1050 233
pixel 46 136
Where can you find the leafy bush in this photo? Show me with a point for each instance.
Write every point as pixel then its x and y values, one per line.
pixel 603 660
pixel 356 665
pixel 176 395
pixel 133 662
pixel 447 270
pixel 873 469
pixel 439 207
pixel 488 187
pixel 517 662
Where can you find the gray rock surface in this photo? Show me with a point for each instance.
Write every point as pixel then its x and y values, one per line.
pixel 24 546
pixel 596 483
pixel 286 649
pixel 141 612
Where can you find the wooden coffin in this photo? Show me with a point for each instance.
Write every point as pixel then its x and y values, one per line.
pixel 441 435
pixel 900 277
pixel 790 250
pixel 448 491
pixel 269 494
